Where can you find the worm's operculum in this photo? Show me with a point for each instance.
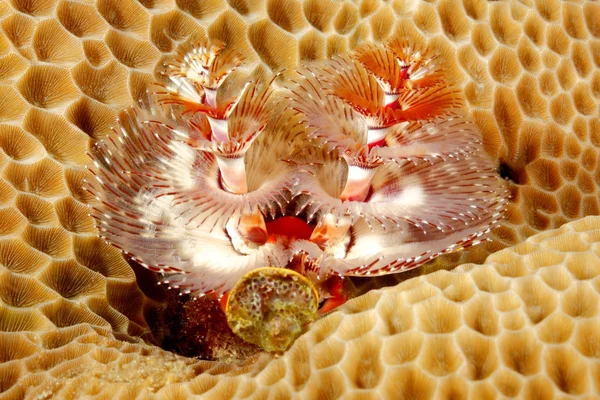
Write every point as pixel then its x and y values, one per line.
pixel 271 306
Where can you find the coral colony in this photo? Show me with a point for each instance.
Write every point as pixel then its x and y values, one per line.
pixel 267 194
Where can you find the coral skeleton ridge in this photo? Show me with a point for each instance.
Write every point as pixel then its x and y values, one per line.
pixel 78 320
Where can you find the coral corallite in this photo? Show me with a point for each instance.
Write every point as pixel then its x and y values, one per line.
pixel 363 165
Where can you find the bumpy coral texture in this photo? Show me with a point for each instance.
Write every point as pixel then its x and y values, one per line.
pixel 523 324
pixel 72 310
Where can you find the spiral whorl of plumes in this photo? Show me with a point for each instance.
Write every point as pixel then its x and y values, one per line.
pixel 417 181
pixel 364 164
pixel 172 183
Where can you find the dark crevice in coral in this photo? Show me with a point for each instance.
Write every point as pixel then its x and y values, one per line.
pixel 198 328
pixel 187 326
pixel 512 174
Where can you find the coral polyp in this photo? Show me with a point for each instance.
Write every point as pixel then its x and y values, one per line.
pixel 366 164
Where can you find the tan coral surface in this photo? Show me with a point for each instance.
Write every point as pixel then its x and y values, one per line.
pixel 523 324
pixel 73 312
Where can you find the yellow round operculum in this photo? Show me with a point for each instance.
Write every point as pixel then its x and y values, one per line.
pixel 270 307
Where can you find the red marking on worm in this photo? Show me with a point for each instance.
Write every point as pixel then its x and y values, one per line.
pixel 288 227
